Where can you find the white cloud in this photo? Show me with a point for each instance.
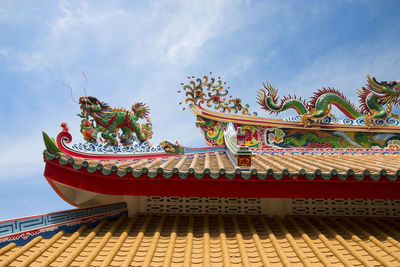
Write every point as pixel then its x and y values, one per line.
pixel 239 66
pixel 36 61
pixel 22 158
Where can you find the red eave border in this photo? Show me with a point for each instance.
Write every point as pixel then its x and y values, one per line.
pixel 287 187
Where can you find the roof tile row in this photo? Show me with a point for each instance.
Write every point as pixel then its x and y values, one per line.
pixel 172 240
pixel 219 164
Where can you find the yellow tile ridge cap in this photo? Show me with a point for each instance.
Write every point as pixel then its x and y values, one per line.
pixel 385 165
pixel 180 163
pixel 165 164
pixel 257 242
pixel 219 161
pixel 275 243
pixel 154 242
pixel 309 242
pixel 124 164
pixel 319 163
pixel 120 241
pixel 387 227
pixel 281 160
pixel 103 241
pixel 379 231
pixel 361 243
pixel 270 162
pixel 135 246
pixel 171 244
pixel 189 243
pixel 206 242
pixel 65 245
pixel 222 237
pixel 239 239
pixel 42 249
pixel 365 164
pixel 373 240
pixel 344 243
pixel 292 242
pixel 327 242
pixel 346 163
pixel 19 252
pixel 138 164
pixel 194 161
pixel 108 164
pixel 153 163
pixel 84 243
pixel 341 164
pixel 301 163
pixel 207 161
pixel 7 248
pixel 262 164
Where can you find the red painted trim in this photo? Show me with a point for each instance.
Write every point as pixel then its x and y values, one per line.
pixel 295 187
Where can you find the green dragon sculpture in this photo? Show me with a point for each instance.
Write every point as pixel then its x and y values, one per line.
pixel 372 100
pixel 109 121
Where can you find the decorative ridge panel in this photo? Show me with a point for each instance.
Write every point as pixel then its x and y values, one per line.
pixel 22 230
pixel 326 151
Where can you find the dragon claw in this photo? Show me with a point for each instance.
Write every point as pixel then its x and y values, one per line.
pixel 304 119
pixel 368 120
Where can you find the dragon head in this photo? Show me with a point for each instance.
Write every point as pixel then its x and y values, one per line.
pixel 91 105
pixel 384 91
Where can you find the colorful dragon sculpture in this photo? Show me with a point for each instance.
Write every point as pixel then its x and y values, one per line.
pixel 109 121
pixel 372 100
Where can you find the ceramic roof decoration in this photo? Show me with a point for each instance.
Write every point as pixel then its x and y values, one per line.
pixel 109 121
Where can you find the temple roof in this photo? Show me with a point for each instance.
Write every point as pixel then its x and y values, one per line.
pixel 229 240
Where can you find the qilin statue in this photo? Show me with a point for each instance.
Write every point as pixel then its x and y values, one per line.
pixel 373 98
pixel 109 121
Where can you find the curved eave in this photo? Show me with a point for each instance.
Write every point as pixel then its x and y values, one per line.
pixel 237 184
pixel 277 123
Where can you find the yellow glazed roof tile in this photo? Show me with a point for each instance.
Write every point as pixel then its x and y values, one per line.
pixel 217 161
pixel 208 240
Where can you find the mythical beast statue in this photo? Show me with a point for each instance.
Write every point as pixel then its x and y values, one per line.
pixel 372 100
pixel 109 121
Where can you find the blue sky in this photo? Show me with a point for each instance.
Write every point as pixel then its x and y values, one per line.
pixel 142 50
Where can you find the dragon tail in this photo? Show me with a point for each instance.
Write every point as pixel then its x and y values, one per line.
pixel 267 98
pixel 141 110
